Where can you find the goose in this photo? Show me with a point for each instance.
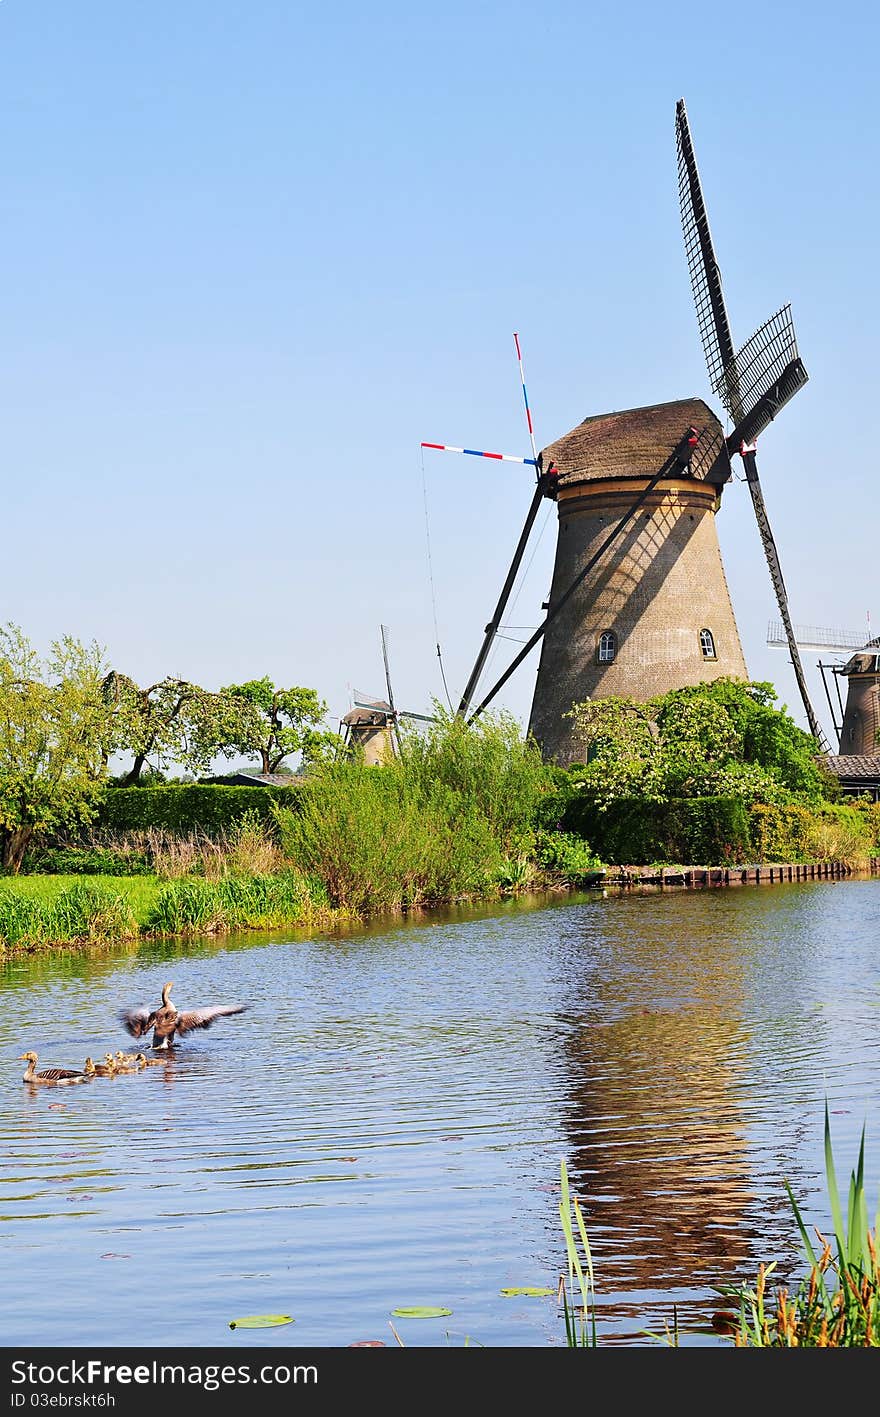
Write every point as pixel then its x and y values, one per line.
pixel 100 1070
pixel 128 1062
pixel 57 1077
pixel 167 1021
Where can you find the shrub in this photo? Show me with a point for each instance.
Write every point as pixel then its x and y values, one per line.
pixel 86 861
pixel 690 831
pixel 379 842
pixel 567 855
pixel 835 832
pixel 183 808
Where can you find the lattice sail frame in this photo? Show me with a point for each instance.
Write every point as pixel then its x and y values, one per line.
pixel 762 376
pixel 703 268
pixel 755 382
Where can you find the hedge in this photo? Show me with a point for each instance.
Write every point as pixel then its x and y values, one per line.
pixel 795 833
pixel 207 807
pixel 695 831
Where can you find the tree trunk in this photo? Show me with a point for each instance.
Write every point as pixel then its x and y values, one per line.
pixel 264 754
pixel 134 771
pixel 15 844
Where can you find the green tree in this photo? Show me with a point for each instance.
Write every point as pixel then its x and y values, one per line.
pixel 723 738
pixel 53 739
pixel 274 723
pixel 169 722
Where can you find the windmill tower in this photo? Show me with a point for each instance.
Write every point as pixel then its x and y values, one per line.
pixel 656 614
pixel 860 730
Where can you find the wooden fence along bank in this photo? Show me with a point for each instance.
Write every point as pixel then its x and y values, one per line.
pixel 693 877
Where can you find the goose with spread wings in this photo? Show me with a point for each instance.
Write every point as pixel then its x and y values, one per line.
pixel 167 1022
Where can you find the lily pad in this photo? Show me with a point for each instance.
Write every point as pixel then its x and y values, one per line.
pixel 261 1321
pixel 531 1290
pixel 421 1313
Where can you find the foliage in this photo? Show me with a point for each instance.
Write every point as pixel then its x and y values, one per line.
pixel 837 1304
pixel 169 722
pixel 187 807
pixel 793 832
pixel 274 723
pixel 93 860
pixel 487 766
pixel 722 739
pixel 452 817
pixel 689 831
pixel 52 739
pixel 378 842
pixel 567 855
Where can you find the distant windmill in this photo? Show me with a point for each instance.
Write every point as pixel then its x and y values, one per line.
pixel 753 383
pixel 857 722
pixel 371 724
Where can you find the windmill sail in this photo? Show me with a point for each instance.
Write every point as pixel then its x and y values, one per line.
pixel 752 384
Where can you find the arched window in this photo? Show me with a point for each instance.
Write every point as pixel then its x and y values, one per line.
pixel 707 644
pixel 606 652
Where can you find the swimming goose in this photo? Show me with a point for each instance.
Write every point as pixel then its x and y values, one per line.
pixel 58 1077
pixel 129 1062
pixel 99 1070
pixel 167 1022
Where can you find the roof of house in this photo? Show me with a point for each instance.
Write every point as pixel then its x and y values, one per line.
pixel 255 779
pixel 857 767
pixel 637 441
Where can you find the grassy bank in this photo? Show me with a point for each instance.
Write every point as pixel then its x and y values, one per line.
pixel 38 912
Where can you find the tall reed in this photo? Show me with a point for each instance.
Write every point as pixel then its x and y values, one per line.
pixel 837 1303
pixel 196 906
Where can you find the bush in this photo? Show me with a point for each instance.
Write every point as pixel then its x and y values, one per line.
pixel 378 842
pixel 690 831
pixel 567 855
pixel 85 861
pixel 207 807
pixel 799 833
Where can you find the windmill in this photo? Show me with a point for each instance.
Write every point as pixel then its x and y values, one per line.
pixel 857 722
pixel 639 602
pixel 753 383
pixel 371 724
pixel 637 494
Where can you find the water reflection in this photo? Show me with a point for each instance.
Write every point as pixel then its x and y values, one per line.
pixel 386 1126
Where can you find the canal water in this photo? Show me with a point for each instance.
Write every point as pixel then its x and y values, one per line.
pixel 384 1127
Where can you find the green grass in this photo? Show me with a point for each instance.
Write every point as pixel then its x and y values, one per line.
pixel 139 891
pixel 40 911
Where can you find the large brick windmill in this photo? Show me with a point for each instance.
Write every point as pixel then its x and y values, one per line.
pixel 639 602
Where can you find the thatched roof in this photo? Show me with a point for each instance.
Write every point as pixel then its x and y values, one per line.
pixel 637 441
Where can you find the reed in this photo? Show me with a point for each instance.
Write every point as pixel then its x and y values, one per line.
pixel 580 1317
pixel 193 906
pixel 837 1303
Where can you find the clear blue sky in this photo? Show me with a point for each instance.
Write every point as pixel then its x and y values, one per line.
pixel 254 253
